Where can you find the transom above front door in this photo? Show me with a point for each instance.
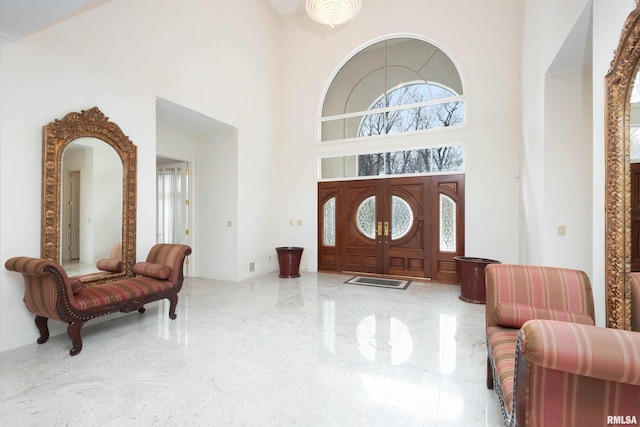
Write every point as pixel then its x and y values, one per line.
pixel 398 226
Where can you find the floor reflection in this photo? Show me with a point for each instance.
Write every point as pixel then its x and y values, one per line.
pixel 447 341
pixel 329 325
pixel 265 352
pixel 77 268
pixel 384 338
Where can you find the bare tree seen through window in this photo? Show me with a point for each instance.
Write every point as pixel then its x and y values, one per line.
pixel 445 114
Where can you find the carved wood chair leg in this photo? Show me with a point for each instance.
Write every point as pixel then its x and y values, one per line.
pixel 489 375
pixel 73 330
pixel 173 302
pixel 41 323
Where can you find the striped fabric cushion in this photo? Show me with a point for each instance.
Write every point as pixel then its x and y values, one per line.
pixel 541 287
pixel 122 290
pixel 514 315
pixel 76 285
pixel 151 269
pixel 579 374
pixel 40 292
pixel 41 300
pixel 560 399
pixel 111 265
pixel 170 255
pixel 603 353
pixel 502 347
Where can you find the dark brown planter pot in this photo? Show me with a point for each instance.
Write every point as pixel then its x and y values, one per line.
pixel 289 260
pixel 471 272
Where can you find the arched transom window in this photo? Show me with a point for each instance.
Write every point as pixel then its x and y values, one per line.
pixel 393 86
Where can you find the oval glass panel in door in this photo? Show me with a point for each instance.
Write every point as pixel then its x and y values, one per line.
pixel 401 217
pixel 366 217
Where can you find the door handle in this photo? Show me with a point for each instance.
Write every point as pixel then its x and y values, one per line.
pixel 379 228
pixel 386 228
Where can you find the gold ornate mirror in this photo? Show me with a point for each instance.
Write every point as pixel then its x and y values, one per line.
pixel 114 209
pixel 619 83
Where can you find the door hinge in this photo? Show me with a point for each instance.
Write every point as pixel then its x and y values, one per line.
pixel 186 172
pixel 186 202
pixel 186 260
pixel 186 231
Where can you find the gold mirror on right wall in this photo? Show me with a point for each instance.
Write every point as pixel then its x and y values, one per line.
pixel 618 186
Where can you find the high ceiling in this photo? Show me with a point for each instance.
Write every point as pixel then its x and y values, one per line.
pixel 19 18
pixel 287 7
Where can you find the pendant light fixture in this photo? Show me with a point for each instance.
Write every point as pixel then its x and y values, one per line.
pixel 332 12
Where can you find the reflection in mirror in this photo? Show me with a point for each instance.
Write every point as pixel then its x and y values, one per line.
pixel 87 146
pixel 91 207
pixel 635 123
pixel 634 174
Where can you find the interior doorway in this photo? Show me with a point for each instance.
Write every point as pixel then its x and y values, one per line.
pixel 173 204
pixel 71 217
pixel 411 226
pixel 172 201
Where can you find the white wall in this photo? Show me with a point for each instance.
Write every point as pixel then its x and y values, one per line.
pixel 120 57
pixel 482 39
pixel 217 207
pixel 546 25
pixel 558 133
pixel 567 171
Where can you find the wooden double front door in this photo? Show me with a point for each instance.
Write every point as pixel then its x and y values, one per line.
pixel 396 226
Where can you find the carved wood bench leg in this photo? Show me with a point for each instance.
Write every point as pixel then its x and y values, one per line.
pixel 41 323
pixel 142 310
pixel 73 330
pixel 173 302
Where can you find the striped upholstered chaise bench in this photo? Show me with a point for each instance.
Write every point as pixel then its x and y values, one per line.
pixel 548 363
pixel 50 294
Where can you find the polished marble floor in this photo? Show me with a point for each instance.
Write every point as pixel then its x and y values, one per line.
pixel 310 351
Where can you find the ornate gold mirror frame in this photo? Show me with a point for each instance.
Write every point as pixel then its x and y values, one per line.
pixel 619 82
pixel 57 135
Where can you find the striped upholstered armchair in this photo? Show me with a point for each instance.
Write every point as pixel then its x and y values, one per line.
pixel 548 363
